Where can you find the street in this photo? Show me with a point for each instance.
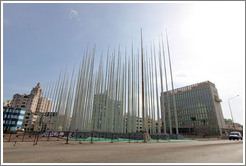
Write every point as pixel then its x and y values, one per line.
pixel 215 151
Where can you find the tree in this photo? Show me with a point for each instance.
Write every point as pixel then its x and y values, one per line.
pixel 228 121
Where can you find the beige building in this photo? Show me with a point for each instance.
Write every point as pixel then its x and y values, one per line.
pixel 29 121
pixel 235 126
pixel 44 105
pixel 28 102
pixel 45 121
pixel 34 104
pixel 7 103
pixel 152 125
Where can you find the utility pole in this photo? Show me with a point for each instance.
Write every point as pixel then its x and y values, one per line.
pixel 231 111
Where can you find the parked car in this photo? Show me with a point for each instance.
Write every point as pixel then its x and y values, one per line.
pixel 235 135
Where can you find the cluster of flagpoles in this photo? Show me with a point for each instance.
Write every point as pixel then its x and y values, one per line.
pixel 122 95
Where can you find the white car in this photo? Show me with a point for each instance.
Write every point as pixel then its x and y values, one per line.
pixel 235 135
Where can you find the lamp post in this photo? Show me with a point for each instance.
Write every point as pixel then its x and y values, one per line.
pixel 230 110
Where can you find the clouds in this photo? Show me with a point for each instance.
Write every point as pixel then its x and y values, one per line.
pixel 73 15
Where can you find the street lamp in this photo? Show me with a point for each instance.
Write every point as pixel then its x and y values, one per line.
pixel 230 110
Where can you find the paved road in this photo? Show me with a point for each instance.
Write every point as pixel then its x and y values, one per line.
pixel 219 151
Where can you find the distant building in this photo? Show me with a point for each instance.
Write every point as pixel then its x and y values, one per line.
pixel 34 104
pixel 45 121
pixel 7 103
pixel 152 126
pixel 106 114
pixel 12 118
pixel 139 124
pixel 235 126
pixel 198 109
pixel 44 105
pixel 29 121
pixel 28 102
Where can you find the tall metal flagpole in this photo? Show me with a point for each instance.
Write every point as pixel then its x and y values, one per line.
pixel 167 96
pixel 153 99
pixel 126 110
pixel 116 117
pixel 122 100
pixel 146 94
pixel 163 111
pixel 174 100
pixel 138 96
pixel 133 104
pixel 148 81
pixel 149 96
pixel 143 128
pixel 128 103
pixel 157 100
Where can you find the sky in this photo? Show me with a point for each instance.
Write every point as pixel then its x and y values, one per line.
pixel 207 41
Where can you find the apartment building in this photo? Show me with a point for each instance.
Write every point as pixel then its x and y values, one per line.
pixel 45 121
pixel 34 104
pixel 28 102
pixel 44 105
pixel 107 114
pixel 7 103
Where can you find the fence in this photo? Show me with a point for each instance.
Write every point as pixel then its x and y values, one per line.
pixel 91 137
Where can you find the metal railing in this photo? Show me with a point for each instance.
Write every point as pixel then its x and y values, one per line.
pixel 80 137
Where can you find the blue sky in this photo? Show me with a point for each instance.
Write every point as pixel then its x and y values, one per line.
pixel 206 39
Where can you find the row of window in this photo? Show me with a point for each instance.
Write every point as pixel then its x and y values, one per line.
pixel 195 110
pixel 13 116
pixel 12 122
pixel 18 111
pixel 192 96
pixel 194 93
pixel 197 116
pixel 192 102
pixel 197 122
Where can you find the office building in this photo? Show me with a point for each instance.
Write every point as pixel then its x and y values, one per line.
pixel 198 109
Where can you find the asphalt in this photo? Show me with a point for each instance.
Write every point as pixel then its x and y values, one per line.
pixel 209 151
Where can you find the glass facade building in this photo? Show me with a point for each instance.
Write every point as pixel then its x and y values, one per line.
pixel 198 109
